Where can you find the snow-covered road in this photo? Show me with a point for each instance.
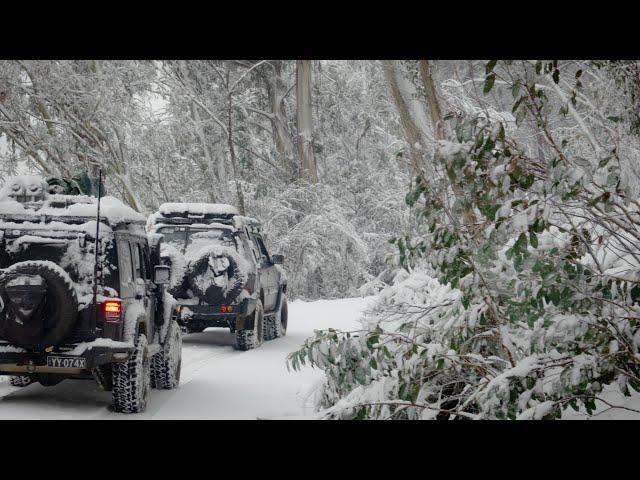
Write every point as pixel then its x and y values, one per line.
pixel 217 382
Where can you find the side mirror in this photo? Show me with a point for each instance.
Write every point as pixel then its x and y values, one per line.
pixel 161 274
pixel 277 259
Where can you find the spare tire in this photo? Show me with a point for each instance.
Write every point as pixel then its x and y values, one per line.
pixel 208 291
pixel 38 302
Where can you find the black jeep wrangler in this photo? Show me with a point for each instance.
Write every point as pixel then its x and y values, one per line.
pixel 221 272
pixel 53 324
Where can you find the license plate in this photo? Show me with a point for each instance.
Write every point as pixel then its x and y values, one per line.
pixel 67 362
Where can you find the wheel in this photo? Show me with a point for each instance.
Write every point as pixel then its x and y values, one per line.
pixel 132 380
pixel 21 380
pixel 275 326
pixel 165 365
pixel 252 338
pixel 50 316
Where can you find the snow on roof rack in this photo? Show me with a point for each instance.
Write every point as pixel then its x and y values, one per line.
pixel 26 198
pixel 196 210
pixel 242 221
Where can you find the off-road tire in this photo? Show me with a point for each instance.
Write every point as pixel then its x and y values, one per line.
pixel 132 380
pixel 249 339
pixel 275 326
pixel 60 309
pixel 21 380
pixel 165 365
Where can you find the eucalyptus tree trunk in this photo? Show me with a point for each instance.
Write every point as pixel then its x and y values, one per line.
pixel 282 138
pixel 208 160
pixel 412 132
pixel 232 150
pixel 207 164
pixel 305 121
pixel 432 99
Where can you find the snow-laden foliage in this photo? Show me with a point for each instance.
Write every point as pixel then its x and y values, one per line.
pixel 523 297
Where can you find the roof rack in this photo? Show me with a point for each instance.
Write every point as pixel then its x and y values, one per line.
pixel 67 209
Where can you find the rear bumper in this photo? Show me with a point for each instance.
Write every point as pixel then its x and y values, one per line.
pixel 198 317
pixel 12 362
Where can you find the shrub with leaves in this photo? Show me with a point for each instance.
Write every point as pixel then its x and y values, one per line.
pixel 521 294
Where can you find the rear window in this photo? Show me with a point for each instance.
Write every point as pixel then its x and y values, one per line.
pixel 187 239
pixel 76 260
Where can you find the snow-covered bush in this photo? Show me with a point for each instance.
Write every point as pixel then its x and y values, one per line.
pixel 522 296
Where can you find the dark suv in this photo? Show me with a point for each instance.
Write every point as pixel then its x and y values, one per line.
pixel 53 325
pixel 221 272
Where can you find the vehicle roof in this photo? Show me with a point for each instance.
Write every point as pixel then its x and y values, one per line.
pixel 26 199
pixel 202 215
pixel 167 209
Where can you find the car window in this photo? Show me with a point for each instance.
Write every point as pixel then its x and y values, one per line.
pixel 254 247
pixel 144 255
pixel 126 271
pixel 135 256
pixel 262 249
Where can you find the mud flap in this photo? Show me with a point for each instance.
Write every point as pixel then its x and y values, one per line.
pixel 245 319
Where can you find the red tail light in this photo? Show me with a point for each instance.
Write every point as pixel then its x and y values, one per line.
pixel 223 309
pixel 112 310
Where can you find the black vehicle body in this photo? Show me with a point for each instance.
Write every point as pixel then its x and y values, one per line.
pixel 190 227
pixel 54 236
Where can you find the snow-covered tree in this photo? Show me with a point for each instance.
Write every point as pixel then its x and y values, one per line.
pixel 520 296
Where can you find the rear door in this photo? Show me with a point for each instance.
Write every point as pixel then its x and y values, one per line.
pixel 125 272
pixel 268 274
pixel 133 274
pixel 145 288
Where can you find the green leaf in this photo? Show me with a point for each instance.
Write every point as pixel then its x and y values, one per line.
pixel 372 340
pixel 489 144
pixel 556 75
pixel 489 66
pixel 516 87
pixel 501 135
pixel 517 104
pixel 488 83
pixel 533 239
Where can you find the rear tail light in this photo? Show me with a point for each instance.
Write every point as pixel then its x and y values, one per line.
pixel 225 309
pixel 112 310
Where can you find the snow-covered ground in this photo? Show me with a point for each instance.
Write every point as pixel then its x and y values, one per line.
pixel 217 382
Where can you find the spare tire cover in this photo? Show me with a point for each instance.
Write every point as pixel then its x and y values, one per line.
pixel 206 289
pixel 52 321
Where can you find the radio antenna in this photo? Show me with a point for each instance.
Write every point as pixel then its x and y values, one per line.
pixel 96 249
